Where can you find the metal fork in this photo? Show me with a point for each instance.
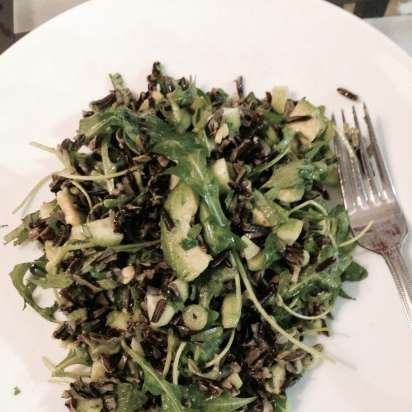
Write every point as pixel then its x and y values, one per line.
pixel 369 196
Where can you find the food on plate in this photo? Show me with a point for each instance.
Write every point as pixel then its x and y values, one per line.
pixel 191 248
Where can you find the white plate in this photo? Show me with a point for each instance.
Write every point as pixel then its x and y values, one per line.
pixel 49 76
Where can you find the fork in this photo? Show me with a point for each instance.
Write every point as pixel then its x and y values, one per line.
pixel 370 200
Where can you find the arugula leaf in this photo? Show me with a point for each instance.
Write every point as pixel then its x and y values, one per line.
pixel 26 291
pixel 77 356
pixel 129 398
pixel 354 273
pixel 52 281
pixel 156 385
pixel 225 403
pixel 274 213
pixel 279 403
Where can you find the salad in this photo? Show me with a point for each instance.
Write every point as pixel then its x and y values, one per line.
pixel 191 248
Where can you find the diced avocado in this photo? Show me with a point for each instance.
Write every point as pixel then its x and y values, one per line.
pixel 98 370
pixel 290 231
pixel 182 205
pixel 188 264
pixel 292 194
pixel 232 381
pixel 65 200
pixel 258 218
pixel 230 311
pixel 221 173
pixel 222 133
pixel 89 405
pixel 257 263
pixel 174 181
pixel 101 232
pixel 286 176
pixel 118 320
pixel 275 385
pixel 310 129
pixel 279 98
pixel 273 213
pixel 231 116
pixel 251 249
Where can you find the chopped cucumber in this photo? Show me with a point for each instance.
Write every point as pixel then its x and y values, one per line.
pixel 290 231
pixel 168 312
pixel 182 288
pixel 230 311
pixel 251 249
pixel 101 232
pixel 308 130
pixel 221 173
pixel 258 218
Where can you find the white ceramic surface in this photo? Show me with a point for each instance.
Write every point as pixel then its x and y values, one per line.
pixel 50 76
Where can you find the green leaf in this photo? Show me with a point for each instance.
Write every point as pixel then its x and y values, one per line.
pixel 26 291
pixel 77 356
pixel 191 168
pixel 225 403
pixel 20 233
pixel 354 273
pixel 279 403
pixel 129 398
pixel 156 385
pixel 52 281
pixel 123 94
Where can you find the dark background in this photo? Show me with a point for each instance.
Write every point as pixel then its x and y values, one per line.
pixel 363 8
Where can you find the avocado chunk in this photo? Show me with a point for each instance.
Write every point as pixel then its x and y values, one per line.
pixel 291 194
pixel 290 231
pixel 100 231
pixel 118 320
pixel 308 130
pixel 258 262
pixel 89 405
pixel 72 215
pixel 220 171
pixel 181 205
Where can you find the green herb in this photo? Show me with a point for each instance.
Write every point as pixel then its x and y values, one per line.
pixel 16 391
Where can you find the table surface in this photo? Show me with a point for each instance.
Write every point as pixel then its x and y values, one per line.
pixel 398 28
pixel 29 14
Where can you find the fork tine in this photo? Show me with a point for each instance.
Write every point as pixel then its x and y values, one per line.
pixel 345 175
pixel 372 189
pixel 359 189
pixel 387 186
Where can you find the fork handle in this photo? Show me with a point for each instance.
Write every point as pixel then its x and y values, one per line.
pixel 402 278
